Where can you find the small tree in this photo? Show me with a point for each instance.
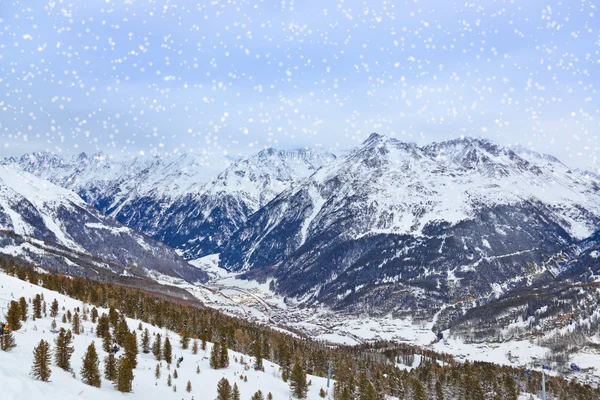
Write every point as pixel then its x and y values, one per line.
pixel 235 393
pixel 63 350
pixel 13 316
pixel 157 347
pixel 322 393
pixel 110 367
pixel 223 390
pixel 24 308
pixel 7 341
pixel 157 371
pixel 90 373
pixel 298 383
pixel 223 356
pixel 257 396
pixel 37 306
pixel 188 387
pixel 169 380
pixel 195 347
pixel 215 354
pixel 184 339
pixel 41 362
pixel 131 349
pixel 76 324
pixel 175 375
pixel 54 309
pixel 146 341
pixel 124 375
pixel 168 351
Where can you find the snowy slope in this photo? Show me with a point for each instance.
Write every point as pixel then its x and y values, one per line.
pixel 16 364
pixel 396 226
pixel 192 202
pixel 54 227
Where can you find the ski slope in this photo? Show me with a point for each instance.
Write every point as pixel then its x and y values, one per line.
pixel 15 365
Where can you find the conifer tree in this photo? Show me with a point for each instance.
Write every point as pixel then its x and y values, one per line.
pixel 76 324
pixel 366 390
pixel 175 374
pixel 269 396
pixel 124 375
pixel 146 341
pixel 197 369
pixel 203 335
pixel 41 362
pixel 223 390
pixel 54 308
pixel 235 393
pixel 24 308
pixel 110 367
pixel 215 354
pixel 184 339
pixel 257 396
pixel 223 356
pixel 169 380
pixel 90 372
pixel 37 306
pixel 298 384
pixel 257 353
pixel 188 387
pixel 63 349
pixel 103 327
pixel 107 342
pixel 167 351
pixel 322 393
pixel 419 392
pixel 195 347
pixel 7 341
pixel 131 349
pixel 157 347
pixel 13 316
pixel 157 371
pixel 94 315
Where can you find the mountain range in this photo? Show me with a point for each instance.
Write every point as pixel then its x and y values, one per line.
pixel 386 227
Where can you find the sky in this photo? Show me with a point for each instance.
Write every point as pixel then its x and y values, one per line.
pixel 155 77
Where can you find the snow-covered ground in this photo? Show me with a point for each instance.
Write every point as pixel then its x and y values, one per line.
pixel 15 365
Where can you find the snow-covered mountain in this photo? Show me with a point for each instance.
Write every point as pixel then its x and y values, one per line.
pixel 395 226
pixel 192 202
pixel 54 227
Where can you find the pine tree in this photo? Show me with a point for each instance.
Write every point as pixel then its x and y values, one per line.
pixel 157 371
pixel 24 308
pixel 146 341
pixel 257 396
pixel 107 342
pixel 103 327
pixel 157 347
pixel 13 316
pixel 215 354
pixel 322 393
pixel 269 396
pixel 439 391
pixel 7 341
pixel 90 373
pixel 366 389
pixel 258 354
pixel 223 356
pixel 167 351
pixel 188 387
pixel 298 383
pixel 124 375
pixel 94 314
pixel 41 362
pixel 419 392
pixel 235 393
pixel 195 347
pixel 184 339
pixel 37 306
pixel 54 309
pixel 203 335
pixel 131 349
pixel 169 380
pixel 223 390
pixel 197 369
pixel 175 374
pixel 76 324
pixel 110 367
pixel 63 349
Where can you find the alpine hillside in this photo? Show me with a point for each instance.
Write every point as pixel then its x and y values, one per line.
pixel 393 226
pixel 54 227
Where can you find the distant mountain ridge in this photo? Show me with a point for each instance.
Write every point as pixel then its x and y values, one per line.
pixel 52 226
pixel 192 202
